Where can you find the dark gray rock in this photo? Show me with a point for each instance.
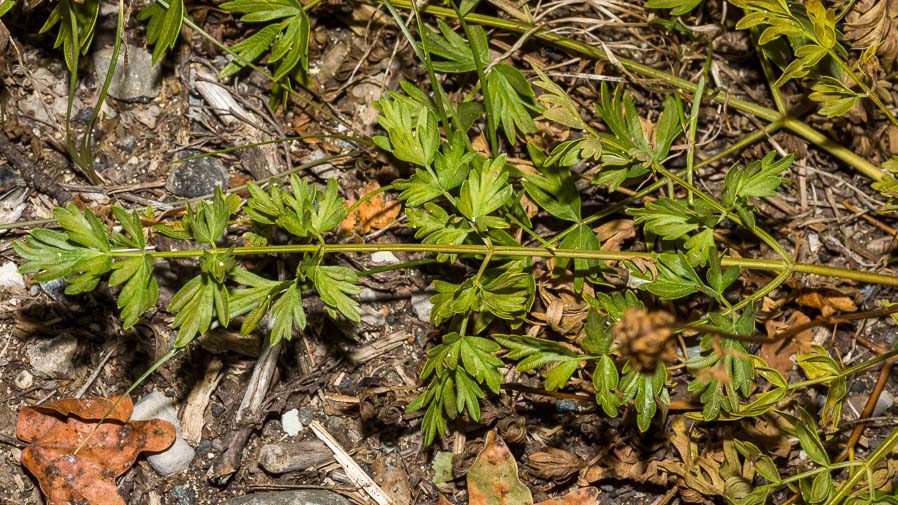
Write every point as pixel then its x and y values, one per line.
pixel 197 177
pixel 182 495
pixel 294 497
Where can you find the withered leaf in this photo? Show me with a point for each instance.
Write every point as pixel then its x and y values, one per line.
pixel 373 214
pixel 554 464
pixel 582 496
pixel 57 429
pixel 493 478
pixel 872 22
pixel 778 354
pixel 829 301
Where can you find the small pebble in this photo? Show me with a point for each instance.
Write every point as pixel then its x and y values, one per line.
pixel 54 356
pixel 176 458
pixel 24 380
pixel 198 176
pixel 384 258
pixel 421 304
pixel 290 422
pixel 10 276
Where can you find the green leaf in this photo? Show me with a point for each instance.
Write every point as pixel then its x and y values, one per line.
pixel 806 432
pixel 485 191
pixel 510 97
pixel 436 226
pixel 287 313
pixel 140 290
pixel 605 380
pixel 164 26
pixel 759 178
pixel 535 352
pixel 77 22
pixel 677 7
pixel 553 189
pixel 668 218
pixel 193 307
pixel 583 239
pixel 286 41
pixel 560 108
pixel 82 228
pixel 806 58
pixel 6 6
pixel 328 209
pixel 334 285
pixel 413 132
pixel 676 278
pixel 453 52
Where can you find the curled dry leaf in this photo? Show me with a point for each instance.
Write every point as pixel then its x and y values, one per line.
pixel 554 464
pixel 872 22
pixel 57 430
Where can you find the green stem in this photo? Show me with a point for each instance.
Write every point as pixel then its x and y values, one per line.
pixel 522 251
pixel 481 76
pixel 809 473
pixel 881 451
pixel 860 367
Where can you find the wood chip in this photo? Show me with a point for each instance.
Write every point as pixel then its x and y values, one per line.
pixel 198 400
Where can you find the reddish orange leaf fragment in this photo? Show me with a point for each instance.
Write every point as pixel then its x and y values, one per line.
pixel 582 496
pixel 57 429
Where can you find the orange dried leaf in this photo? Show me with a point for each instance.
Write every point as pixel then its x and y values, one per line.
pixel 829 301
pixel 57 429
pixel 778 354
pixel 373 214
pixel 582 496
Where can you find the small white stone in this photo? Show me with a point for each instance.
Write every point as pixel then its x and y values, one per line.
pixel 10 276
pixel 421 304
pixel 24 380
pixel 53 357
pixel 290 422
pixel 176 458
pixel 384 258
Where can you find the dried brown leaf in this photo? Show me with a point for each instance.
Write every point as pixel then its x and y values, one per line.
pixel 554 464
pixel 872 22
pixel 69 473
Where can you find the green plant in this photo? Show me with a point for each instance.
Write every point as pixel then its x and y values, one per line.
pixel 471 208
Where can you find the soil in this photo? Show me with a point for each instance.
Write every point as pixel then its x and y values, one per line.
pixel 356 379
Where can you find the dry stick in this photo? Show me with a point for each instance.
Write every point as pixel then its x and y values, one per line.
pixel 856 432
pixel 870 219
pixel 353 470
pixel 248 412
pixel 33 175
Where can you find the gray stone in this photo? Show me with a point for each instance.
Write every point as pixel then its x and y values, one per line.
pixel 197 177
pixel 176 458
pixel 290 422
pixel 142 80
pixel 55 288
pixel 54 356
pixel 182 495
pixel 294 497
pixel 421 304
